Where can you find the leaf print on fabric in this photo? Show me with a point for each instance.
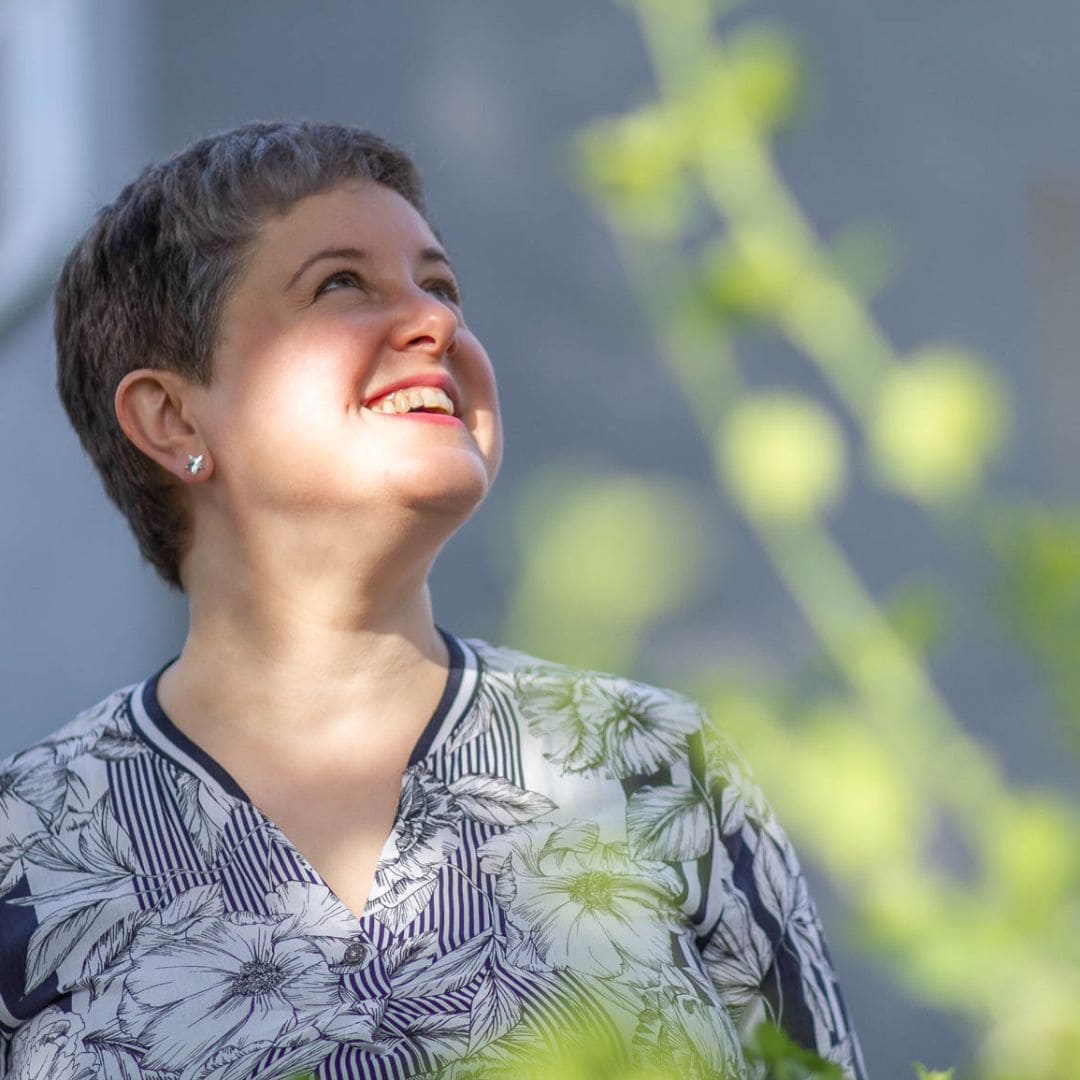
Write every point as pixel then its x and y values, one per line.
pixel 290 1059
pixel 591 910
pixel 579 836
pixel 407 957
pixel 91 873
pixel 737 797
pixel 803 936
pixel 571 1032
pixel 11 859
pixel 521 951
pixel 449 972
pixel 426 831
pixel 35 787
pixel 117 745
pixel 668 823
pixel 197 903
pixel 225 983
pixel 496 1008
pixel 109 948
pixel 50 1045
pixel 737 954
pixel 205 813
pixel 442 1035
pixel 79 737
pixel 359 1025
pixel 775 876
pixel 478 720
pixel 494 800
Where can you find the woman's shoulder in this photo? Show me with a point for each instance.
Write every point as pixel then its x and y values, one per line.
pixel 37 784
pixel 604 723
pixel 526 668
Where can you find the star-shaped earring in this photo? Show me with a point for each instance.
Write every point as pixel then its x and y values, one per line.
pixel 196 463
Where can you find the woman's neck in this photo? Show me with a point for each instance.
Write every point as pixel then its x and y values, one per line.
pixel 296 651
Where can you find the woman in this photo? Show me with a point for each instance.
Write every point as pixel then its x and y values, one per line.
pixel 331 836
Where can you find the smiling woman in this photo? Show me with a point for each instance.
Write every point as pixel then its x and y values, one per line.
pixel 330 835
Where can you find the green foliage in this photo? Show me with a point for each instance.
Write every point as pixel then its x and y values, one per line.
pixel 782 456
pixel 939 420
pixel 864 257
pixel 966 887
pixel 919 613
pixel 598 566
pixel 785 1060
pixel 1039 549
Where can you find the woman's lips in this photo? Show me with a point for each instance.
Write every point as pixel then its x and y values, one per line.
pixel 431 418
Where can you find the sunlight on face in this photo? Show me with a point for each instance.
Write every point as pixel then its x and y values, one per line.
pixel 345 377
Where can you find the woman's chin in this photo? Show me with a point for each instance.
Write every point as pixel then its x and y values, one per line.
pixel 457 501
pixel 445 490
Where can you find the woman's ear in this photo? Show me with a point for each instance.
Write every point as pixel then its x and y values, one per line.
pixel 150 408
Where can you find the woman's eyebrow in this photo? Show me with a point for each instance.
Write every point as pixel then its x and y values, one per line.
pixel 427 255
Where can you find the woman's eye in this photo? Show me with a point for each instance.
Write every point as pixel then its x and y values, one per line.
pixel 342 279
pixel 446 290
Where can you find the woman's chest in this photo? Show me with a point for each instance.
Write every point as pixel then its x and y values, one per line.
pixel 210 939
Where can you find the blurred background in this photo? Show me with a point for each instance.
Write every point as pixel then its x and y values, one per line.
pixel 781 301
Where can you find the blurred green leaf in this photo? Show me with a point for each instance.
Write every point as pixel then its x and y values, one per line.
pixel 1038 549
pixel 865 256
pixel 1033 861
pixel 940 420
pixel 603 556
pixel 786 1060
pixel 637 165
pixel 782 456
pixel 749 275
pixel 918 612
pixel 765 67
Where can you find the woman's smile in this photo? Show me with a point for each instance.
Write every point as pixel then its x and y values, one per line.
pixel 430 393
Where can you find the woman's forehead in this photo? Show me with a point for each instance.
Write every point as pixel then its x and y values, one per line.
pixel 350 212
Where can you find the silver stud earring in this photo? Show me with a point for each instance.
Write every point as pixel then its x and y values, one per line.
pixel 196 463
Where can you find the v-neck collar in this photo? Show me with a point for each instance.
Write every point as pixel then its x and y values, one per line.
pixel 154 727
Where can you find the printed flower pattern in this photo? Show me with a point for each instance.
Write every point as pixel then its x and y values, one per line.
pixel 557 860
pixel 50 1045
pixel 605 726
pixel 226 984
pixel 684 1034
pixel 583 903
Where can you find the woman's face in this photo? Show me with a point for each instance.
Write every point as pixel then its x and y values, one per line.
pixel 346 314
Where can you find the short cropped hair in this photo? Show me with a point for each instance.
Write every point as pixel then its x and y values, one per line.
pixel 146 285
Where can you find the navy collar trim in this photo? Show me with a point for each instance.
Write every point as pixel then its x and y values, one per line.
pixel 154 727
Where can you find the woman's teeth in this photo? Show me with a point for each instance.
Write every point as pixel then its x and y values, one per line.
pixel 429 398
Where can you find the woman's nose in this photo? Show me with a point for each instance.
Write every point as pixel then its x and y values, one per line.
pixel 425 323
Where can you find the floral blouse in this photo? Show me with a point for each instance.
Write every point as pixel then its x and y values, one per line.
pixel 570 853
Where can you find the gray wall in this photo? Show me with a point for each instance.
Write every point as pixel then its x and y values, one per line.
pixel 951 122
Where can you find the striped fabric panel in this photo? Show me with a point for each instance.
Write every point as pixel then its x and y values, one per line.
pixel 143 796
pixel 254 861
